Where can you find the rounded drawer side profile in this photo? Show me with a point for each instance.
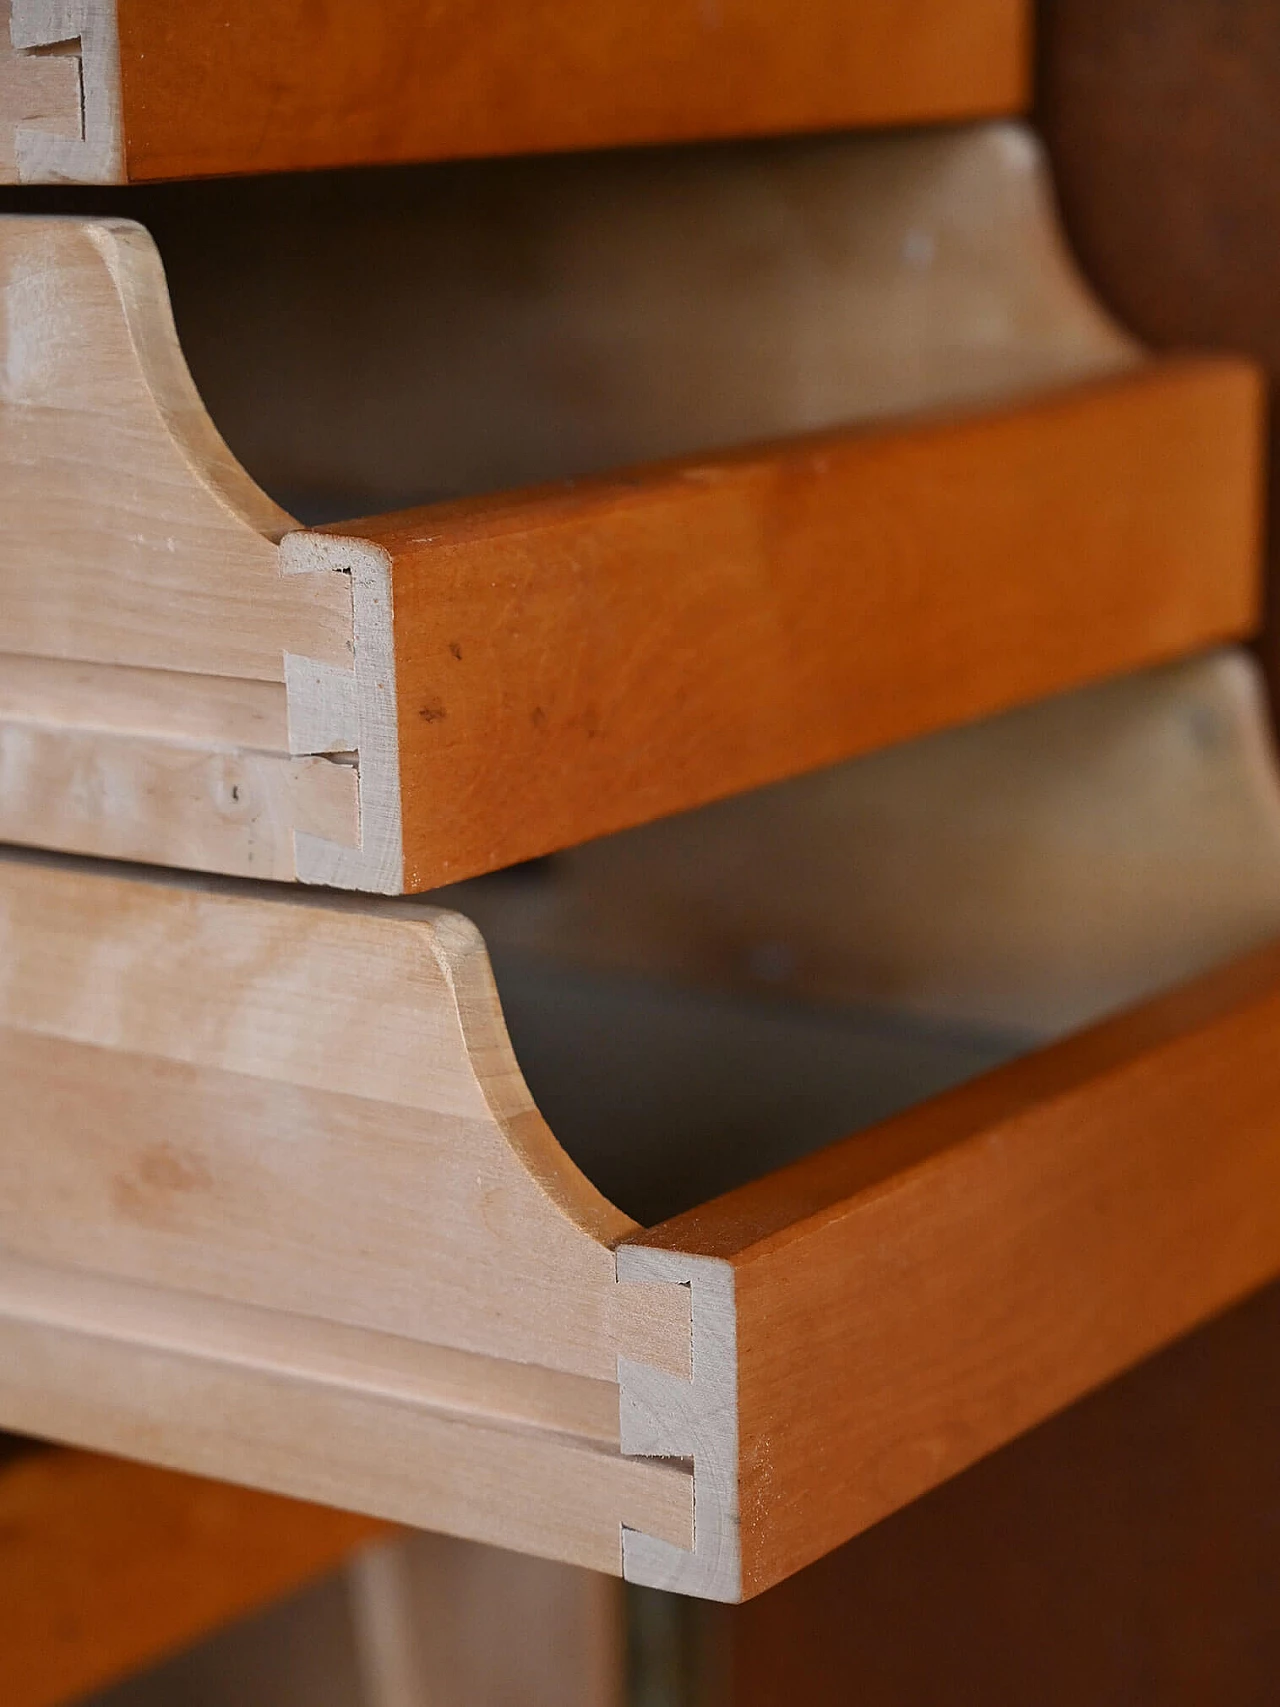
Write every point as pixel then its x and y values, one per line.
pixel 278 1202
pixel 935 462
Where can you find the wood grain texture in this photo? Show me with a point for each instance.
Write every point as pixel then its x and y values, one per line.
pixel 107 1566
pixel 157 503
pixel 211 1024
pixel 196 709
pixel 345 1443
pixel 277 1205
pixel 1132 1538
pixel 240 88
pixel 271 1177
pixel 906 1301
pixel 1033 871
pixel 577 659
pixel 41 91
pixel 111 467
pixel 163 801
pixel 59 92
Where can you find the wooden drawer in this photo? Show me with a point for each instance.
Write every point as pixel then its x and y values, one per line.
pixel 984 491
pixel 277 1206
pixel 112 91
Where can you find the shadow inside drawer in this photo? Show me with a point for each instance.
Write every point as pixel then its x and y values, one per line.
pixel 371 339
pixel 710 996
pixel 666 1096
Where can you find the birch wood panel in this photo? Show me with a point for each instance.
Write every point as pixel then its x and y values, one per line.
pixel 154 504
pixel 163 801
pixel 216 1027
pixel 443 333
pixel 39 92
pixel 59 92
pixel 537 1491
pixel 260 1153
pixel 197 710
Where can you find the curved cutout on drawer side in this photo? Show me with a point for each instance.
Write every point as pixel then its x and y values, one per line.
pixel 158 509
pixel 277 1205
pixel 548 672
pixel 456 330
pixel 356 1027
pixel 116 476
pixel 1137 822
pixel 273 1176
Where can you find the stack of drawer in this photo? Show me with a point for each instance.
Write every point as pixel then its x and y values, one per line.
pixel 695 471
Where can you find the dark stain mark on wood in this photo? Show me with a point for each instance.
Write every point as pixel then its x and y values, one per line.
pixel 161 1176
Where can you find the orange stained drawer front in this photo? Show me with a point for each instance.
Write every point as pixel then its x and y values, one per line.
pixel 908 1300
pixel 107 1566
pixel 580 658
pixel 269 85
